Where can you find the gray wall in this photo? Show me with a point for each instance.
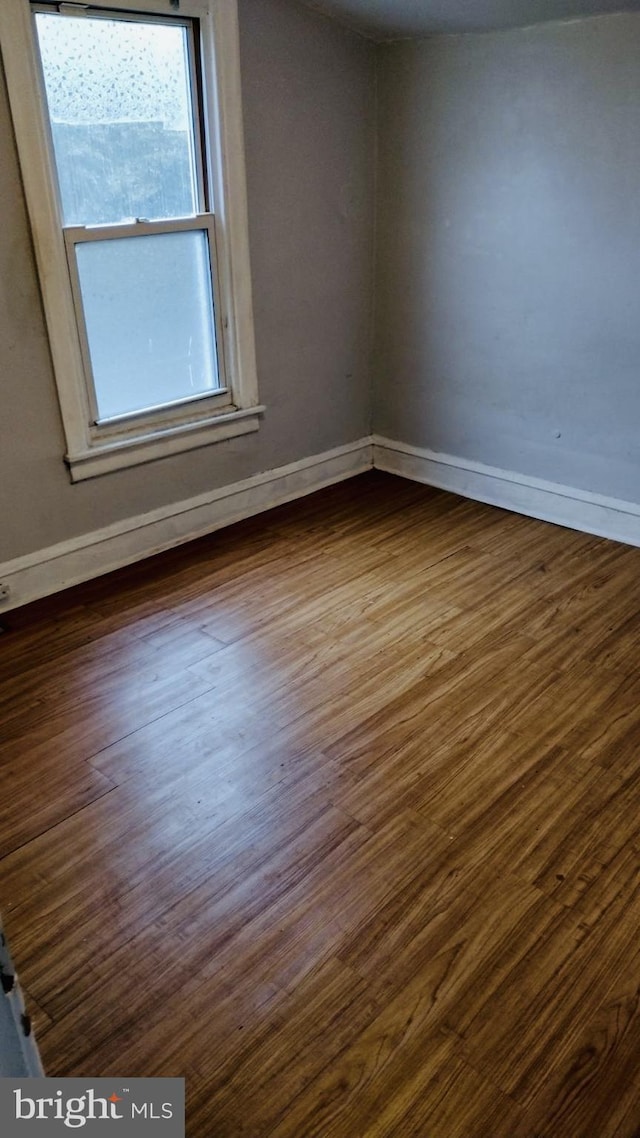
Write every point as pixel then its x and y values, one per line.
pixel 508 298
pixel 308 90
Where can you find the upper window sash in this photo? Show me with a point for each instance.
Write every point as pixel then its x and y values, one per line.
pixel 51 26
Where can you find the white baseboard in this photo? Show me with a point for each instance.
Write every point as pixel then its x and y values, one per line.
pixel 70 562
pixel 549 501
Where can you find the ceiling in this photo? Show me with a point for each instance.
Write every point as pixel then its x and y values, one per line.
pixel 398 19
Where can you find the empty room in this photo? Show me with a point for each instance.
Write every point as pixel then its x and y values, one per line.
pixel 319 559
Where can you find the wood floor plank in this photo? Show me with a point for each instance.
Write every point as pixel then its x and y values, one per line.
pixel 214 884
pixel 593 1088
pixel 328 1010
pixel 554 993
pixel 336 813
pixel 400 1077
pixel 24 816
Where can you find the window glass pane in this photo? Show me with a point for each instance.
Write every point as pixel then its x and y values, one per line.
pixel 149 317
pixel 119 99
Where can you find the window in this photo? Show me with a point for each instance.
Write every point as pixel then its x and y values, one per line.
pixel 130 139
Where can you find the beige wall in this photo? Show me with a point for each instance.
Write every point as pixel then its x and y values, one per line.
pixel 308 91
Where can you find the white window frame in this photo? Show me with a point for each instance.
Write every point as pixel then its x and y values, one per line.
pixel 95 447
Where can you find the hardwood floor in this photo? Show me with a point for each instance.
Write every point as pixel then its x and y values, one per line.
pixel 337 814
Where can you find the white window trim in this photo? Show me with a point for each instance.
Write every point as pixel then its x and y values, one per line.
pixel 90 450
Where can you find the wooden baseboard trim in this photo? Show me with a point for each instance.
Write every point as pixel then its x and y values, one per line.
pixel 550 501
pixel 564 505
pixel 59 566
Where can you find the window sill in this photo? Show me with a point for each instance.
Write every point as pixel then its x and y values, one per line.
pixel 116 454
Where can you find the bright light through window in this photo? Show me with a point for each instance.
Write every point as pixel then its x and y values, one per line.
pixel 148 310
pixel 119 100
